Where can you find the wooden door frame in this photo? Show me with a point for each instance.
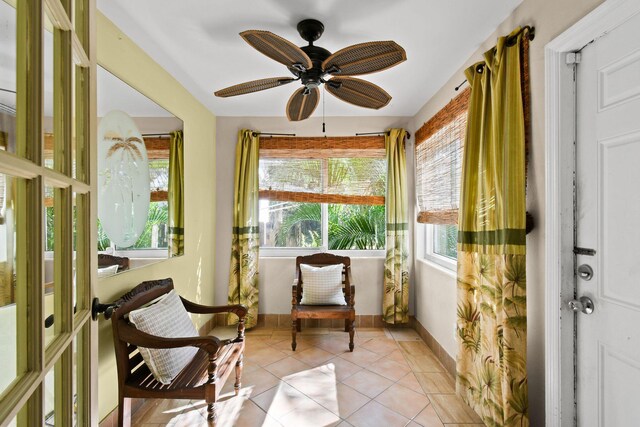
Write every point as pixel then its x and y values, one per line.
pixel 560 126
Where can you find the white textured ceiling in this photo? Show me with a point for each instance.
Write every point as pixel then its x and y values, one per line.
pixel 197 41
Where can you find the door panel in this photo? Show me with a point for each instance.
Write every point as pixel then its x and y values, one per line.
pixel 619 158
pixel 608 211
pixel 45 213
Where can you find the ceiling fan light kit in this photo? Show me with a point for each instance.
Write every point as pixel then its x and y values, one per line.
pixel 314 65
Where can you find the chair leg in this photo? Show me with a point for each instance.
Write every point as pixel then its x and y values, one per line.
pixel 347 324
pixel 238 383
pixel 294 329
pixel 352 330
pixel 124 412
pixel 212 416
pixel 299 325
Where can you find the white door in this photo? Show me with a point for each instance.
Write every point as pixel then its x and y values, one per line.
pixel 608 221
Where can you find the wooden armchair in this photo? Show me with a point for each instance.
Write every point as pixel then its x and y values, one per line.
pixel 202 378
pixel 106 260
pixel 346 312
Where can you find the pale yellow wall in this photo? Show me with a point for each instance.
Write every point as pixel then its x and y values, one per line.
pixel 435 292
pixel 192 273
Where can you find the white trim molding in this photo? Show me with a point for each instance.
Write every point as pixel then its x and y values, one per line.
pixel 559 146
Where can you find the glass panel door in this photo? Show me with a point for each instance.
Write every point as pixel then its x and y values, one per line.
pixel 46 117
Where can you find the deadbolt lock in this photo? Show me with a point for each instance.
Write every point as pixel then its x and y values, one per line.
pixel 585 272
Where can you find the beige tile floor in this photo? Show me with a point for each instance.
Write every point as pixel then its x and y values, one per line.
pixel 391 379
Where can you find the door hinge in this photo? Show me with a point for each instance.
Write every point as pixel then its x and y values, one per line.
pixel 573 58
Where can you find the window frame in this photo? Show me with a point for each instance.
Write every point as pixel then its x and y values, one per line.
pixel 284 252
pixel 344 147
pixel 428 251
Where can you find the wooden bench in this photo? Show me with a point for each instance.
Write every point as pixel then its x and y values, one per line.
pixel 346 312
pixel 203 378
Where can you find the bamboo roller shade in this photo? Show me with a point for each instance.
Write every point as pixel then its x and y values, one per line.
pixel 323 170
pixel 321 147
pixel 439 148
pixel 157 148
pixel 439 206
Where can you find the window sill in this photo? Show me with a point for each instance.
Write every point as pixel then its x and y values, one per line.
pixel 294 252
pixel 162 253
pixel 451 272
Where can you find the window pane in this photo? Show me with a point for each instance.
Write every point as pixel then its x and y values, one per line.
pixel 8 331
pixel 445 240
pixel 77 364
pixel 49 399
pixel 290 224
pixel 356 227
pixel 49 262
pixel 8 78
pixel 158 175
pixel 154 235
pixel 48 93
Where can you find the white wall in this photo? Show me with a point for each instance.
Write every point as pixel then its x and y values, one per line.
pixel 435 291
pixel 276 274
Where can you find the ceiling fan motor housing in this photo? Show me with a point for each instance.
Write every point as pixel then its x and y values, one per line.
pixel 312 78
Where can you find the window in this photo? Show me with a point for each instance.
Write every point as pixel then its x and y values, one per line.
pixel 440 245
pixel 439 148
pixel 322 193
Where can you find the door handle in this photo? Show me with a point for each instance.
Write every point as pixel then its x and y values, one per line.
pixel 582 304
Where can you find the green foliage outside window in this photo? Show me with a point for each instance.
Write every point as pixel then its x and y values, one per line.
pixel 350 227
pixel 445 240
pixel 158 216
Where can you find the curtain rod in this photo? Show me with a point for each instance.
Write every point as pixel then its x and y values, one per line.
pixel 528 31
pixel 379 133
pixel 272 134
pixel 156 134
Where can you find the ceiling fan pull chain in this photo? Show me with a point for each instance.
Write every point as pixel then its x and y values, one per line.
pixel 324 93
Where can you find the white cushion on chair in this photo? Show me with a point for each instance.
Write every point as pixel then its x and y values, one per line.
pixel 322 285
pixel 166 318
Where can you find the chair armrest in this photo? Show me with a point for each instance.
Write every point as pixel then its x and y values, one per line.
pixel 237 309
pixel 131 335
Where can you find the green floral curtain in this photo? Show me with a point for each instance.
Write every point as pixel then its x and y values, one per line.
pixel 492 319
pixel 176 195
pixel 395 303
pixel 245 241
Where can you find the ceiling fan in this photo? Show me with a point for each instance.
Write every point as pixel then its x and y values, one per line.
pixel 314 65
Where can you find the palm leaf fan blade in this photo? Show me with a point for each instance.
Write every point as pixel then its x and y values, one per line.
pixel 302 104
pixel 277 48
pixel 253 86
pixel 365 58
pixel 358 92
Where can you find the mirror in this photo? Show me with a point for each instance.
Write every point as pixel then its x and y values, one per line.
pixel 140 178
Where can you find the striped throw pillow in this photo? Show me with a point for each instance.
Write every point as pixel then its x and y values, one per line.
pixel 166 318
pixel 322 285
